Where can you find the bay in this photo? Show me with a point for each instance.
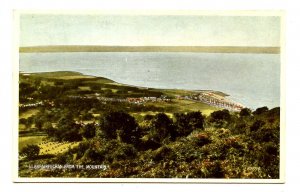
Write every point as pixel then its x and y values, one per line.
pixel 251 79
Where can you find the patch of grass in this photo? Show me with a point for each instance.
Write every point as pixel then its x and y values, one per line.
pixel 185 106
pixel 22 127
pixel 88 121
pixel 100 80
pixel 84 88
pixel 28 113
pixel 113 90
pixel 50 83
pixel 96 114
pixel 55 148
pixel 30 140
pixel 73 77
pixel 62 75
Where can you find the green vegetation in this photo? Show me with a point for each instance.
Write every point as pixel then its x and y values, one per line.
pixel 30 151
pixel 30 140
pixel 131 132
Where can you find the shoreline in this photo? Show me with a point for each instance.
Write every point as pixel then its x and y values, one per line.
pixel 211 97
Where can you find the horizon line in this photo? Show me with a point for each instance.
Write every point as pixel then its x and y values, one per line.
pixel 96 48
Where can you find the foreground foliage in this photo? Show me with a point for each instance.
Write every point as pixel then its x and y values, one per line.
pixel 222 145
pixel 94 127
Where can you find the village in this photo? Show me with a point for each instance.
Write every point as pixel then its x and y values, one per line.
pixel 213 99
pixel 37 104
pixel 131 100
pixel 208 97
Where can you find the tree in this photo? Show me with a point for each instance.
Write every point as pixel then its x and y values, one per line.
pixel 29 122
pixel 245 112
pixel 161 128
pixel 261 110
pixel 25 89
pixel 257 125
pixel 195 119
pixel 220 115
pixel 30 151
pixel 221 118
pixel 23 121
pixel 67 129
pixel 88 131
pixel 120 125
pixel 39 121
pixel 86 115
pixel 48 125
pixel 186 123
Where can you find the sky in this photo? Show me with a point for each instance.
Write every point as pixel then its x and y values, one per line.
pixel 149 30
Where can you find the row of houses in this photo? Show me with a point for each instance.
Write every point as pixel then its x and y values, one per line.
pixel 215 100
pixel 40 103
pixel 141 100
pixel 132 100
pixel 37 104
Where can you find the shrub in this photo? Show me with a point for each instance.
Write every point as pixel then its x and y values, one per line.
pixel 201 139
pixel 266 135
pixel 257 125
pixel 211 169
pixel 163 153
pixel 30 151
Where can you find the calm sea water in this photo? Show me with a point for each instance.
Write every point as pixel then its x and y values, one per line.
pixel 252 79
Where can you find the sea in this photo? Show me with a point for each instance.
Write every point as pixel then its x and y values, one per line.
pixel 250 79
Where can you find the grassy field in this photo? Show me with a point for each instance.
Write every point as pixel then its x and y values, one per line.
pixel 140 116
pixel 54 148
pixel 84 88
pixel 113 90
pixel 22 127
pixel 28 113
pixel 46 147
pixel 61 75
pixel 30 140
pixel 185 106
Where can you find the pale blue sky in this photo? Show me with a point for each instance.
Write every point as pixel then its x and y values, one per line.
pixel 41 29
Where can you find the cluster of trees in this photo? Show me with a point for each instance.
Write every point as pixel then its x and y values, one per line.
pixel 122 126
pixel 222 145
pixel 32 86
pixel 68 130
pixel 66 96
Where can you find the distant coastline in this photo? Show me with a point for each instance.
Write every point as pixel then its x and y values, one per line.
pixel 210 97
pixel 203 49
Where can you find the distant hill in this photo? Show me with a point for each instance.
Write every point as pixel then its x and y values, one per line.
pixel 204 49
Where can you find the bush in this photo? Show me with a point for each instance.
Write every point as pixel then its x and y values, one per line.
pixel 30 151
pixel 201 139
pixel 257 125
pixel 163 153
pixel 211 169
pixel 266 135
